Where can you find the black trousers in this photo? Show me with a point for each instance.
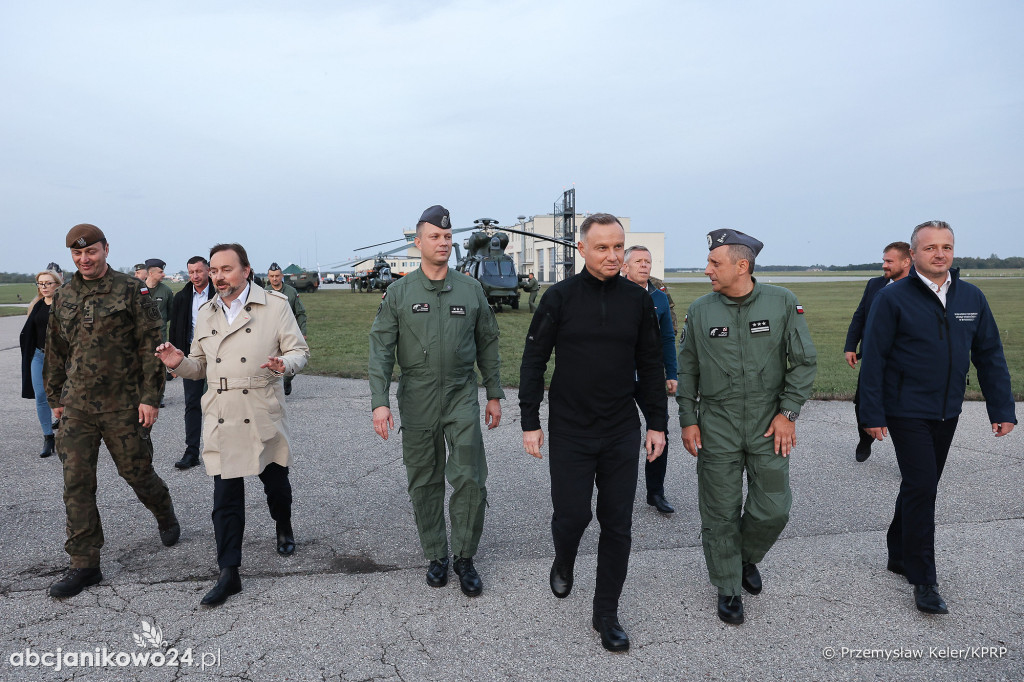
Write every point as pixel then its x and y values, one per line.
pixel 654 472
pixel 864 436
pixel 193 414
pixel 229 510
pixel 921 449
pixel 576 465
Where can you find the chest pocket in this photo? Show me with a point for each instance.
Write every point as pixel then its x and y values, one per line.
pixel 67 319
pixel 112 318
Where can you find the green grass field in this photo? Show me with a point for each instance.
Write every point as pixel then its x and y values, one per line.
pixel 340 320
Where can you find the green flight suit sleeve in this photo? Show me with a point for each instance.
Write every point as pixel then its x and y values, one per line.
pixel 300 313
pixel 487 356
pixel 55 358
pixel 801 358
pixel 689 374
pixel 383 343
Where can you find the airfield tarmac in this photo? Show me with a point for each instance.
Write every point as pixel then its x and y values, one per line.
pixel 351 604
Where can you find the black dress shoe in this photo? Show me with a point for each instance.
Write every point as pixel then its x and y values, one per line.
pixel 751 579
pixel 437 572
pixel 227 584
pixel 928 599
pixel 48 446
pixel 169 535
pixel 76 580
pixel 613 637
pixel 895 566
pixel 660 503
pixel 469 579
pixel 730 609
pixel 561 579
pixel 863 449
pixel 285 539
pixel 187 461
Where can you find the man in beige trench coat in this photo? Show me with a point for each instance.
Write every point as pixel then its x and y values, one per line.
pixel 246 339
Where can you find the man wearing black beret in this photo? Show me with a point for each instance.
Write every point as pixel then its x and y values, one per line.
pixel 437 324
pixel 748 358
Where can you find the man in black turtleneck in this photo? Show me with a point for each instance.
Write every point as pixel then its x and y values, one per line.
pixel 606 331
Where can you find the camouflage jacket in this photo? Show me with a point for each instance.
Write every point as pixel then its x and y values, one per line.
pixel 99 345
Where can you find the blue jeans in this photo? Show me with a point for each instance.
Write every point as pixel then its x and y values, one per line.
pixel 42 407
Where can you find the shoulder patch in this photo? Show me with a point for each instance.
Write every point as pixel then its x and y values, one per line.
pixel 799 309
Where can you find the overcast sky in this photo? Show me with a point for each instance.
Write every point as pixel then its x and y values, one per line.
pixel 305 130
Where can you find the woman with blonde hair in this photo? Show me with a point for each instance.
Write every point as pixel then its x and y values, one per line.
pixel 33 340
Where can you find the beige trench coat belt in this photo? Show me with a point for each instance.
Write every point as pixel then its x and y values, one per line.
pixel 245 382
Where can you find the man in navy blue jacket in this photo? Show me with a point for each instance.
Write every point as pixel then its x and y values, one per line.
pixel 922 333
pixel 895 265
pixel 637 269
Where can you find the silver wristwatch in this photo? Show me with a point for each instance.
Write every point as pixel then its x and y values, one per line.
pixel 789 414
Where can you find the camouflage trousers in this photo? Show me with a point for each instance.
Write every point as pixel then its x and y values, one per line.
pixel 78 445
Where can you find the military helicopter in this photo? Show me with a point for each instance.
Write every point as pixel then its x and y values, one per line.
pixel 485 260
pixel 377 277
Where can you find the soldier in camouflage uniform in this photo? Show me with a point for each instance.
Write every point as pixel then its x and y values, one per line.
pixel 103 382
pixel 275 282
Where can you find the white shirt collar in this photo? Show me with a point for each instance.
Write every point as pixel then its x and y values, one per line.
pixel 939 290
pixel 231 311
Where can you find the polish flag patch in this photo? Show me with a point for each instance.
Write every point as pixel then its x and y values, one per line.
pixel 799 309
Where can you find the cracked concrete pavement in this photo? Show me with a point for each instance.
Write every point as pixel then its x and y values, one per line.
pixel 351 604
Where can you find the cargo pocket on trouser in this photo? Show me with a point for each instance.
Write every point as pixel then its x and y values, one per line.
pixel 766 511
pixel 720 496
pixel 466 472
pixel 424 467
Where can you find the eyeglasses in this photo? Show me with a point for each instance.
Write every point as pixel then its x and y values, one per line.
pixel 46 284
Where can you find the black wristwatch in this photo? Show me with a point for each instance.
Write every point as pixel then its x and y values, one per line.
pixel 789 414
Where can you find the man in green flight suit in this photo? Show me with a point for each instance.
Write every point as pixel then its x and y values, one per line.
pixel 159 292
pixel 533 286
pixel 103 382
pixel 162 294
pixel 275 282
pixel 438 322
pixel 747 356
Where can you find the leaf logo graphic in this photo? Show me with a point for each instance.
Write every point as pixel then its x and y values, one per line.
pixel 151 634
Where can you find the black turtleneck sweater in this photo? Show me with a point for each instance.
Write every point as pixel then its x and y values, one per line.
pixel 607 348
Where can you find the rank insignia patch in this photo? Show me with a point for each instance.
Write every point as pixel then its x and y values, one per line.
pixel 759 326
pixel 458 310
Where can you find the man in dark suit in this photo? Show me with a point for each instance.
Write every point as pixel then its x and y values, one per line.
pixel 895 265
pixel 184 307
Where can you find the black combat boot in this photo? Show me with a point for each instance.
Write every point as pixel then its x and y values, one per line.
pixel 76 580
